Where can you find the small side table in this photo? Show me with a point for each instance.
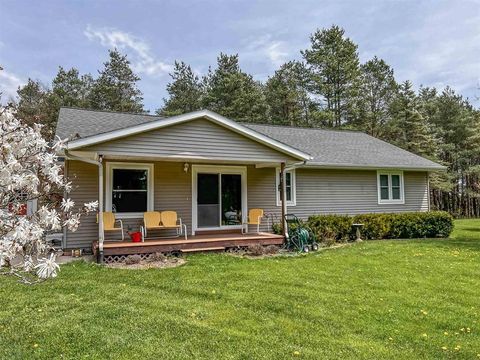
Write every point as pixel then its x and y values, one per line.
pixel 357 232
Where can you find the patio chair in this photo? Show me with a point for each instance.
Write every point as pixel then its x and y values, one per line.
pixel 156 220
pixel 109 221
pixel 151 221
pixel 254 218
pixel 170 220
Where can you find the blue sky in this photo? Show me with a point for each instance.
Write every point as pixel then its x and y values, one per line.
pixel 434 43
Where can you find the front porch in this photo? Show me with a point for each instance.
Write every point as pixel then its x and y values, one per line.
pixel 207 242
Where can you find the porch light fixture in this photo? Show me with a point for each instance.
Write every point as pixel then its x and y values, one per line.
pixel 185 167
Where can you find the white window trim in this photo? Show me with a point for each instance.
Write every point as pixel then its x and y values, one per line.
pixel 400 201
pixel 110 166
pixel 292 202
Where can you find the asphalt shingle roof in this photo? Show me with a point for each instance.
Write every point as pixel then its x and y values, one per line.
pixel 334 148
pixel 344 148
pixel 82 123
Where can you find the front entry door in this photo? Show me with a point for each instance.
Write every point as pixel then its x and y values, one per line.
pixel 219 200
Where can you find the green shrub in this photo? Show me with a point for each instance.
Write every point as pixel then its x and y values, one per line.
pixel 277 228
pixel 338 227
pixel 375 226
pixel 382 226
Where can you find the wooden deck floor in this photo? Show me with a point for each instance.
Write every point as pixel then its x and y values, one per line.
pixel 198 242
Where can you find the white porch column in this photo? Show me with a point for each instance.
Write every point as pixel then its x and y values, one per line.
pixel 283 198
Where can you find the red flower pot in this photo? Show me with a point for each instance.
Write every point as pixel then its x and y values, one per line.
pixel 21 211
pixel 136 236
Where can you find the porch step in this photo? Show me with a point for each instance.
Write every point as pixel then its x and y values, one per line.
pixel 203 249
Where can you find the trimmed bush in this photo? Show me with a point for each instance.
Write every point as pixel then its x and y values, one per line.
pixel 382 226
pixel 375 226
pixel 328 227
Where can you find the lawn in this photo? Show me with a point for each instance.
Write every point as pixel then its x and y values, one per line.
pixel 378 299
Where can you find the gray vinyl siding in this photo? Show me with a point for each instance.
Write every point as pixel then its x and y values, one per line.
pixel 353 192
pixel 84 179
pixel 317 192
pixel 347 192
pixel 198 139
pixel 261 194
pixel 172 191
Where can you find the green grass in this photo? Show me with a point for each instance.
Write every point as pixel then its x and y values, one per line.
pixel 375 299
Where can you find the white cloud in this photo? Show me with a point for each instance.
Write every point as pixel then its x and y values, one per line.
pixel 9 84
pixel 143 61
pixel 274 50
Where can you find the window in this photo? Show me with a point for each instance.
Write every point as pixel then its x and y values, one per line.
pixel 390 187
pixel 129 188
pixel 290 185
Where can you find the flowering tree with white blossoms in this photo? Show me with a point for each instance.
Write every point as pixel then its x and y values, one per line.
pixel 29 170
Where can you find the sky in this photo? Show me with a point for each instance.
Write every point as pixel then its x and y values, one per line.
pixel 432 43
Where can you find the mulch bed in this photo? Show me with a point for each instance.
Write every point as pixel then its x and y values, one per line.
pixel 169 262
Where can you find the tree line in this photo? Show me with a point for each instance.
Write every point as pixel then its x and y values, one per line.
pixel 328 88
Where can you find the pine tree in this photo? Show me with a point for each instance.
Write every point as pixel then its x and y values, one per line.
pixel 116 87
pixel 410 129
pixel 333 62
pixel 233 93
pixel 71 88
pixel 34 106
pixel 287 95
pixel 185 91
pixel 458 147
pixel 377 91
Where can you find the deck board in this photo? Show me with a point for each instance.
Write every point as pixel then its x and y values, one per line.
pixel 197 242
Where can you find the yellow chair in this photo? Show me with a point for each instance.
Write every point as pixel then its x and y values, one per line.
pixel 156 220
pixel 170 220
pixel 109 223
pixel 151 221
pixel 254 218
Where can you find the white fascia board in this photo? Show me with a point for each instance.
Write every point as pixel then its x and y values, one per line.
pixel 214 117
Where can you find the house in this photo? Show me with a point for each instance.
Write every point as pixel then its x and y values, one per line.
pixel 210 170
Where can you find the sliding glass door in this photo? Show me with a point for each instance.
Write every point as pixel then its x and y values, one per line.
pixel 208 202
pixel 231 199
pixel 219 199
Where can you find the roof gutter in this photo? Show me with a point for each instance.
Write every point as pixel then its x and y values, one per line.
pixel 296 165
pixel 99 163
pixel 373 167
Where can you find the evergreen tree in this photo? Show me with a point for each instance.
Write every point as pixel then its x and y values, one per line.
pixel 286 94
pixel 333 62
pixel 72 89
pixel 377 91
pixel 116 87
pixel 185 91
pixel 34 106
pixel 457 127
pixel 410 129
pixel 233 93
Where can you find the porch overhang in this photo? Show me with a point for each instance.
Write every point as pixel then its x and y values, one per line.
pixel 185 158
pixel 205 114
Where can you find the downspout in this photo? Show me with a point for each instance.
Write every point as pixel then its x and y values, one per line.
pixel 283 196
pixel 65 195
pixel 428 192
pixel 99 163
